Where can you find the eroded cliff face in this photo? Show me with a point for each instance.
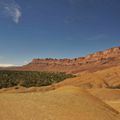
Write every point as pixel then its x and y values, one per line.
pixel 95 57
pixel 109 53
pixel 98 60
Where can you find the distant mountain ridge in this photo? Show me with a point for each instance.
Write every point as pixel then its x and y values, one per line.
pixel 91 62
pixel 95 57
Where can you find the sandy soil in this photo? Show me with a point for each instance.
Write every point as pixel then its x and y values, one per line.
pixel 108 78
pixel 66 103
pixel 109 96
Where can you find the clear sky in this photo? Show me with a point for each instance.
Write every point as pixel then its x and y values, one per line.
pixel 56 28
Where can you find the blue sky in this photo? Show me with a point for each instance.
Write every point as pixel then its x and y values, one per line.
pixel 56 28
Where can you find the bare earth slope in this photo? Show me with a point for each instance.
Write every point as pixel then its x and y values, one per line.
pixel 67 103
pixel 109 96
pixel 104 84
pixel 108 78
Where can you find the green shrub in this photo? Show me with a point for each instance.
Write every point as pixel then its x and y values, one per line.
pixel 30 78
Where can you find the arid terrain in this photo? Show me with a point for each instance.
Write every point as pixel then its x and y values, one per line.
pixel 94 94
pixel 66 103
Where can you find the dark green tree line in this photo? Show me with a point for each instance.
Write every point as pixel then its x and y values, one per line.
pixel 30 78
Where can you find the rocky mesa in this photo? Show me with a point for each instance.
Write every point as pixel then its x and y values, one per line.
pixel 91 62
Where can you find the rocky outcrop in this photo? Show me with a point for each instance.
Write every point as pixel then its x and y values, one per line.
pixel 95 57
pixel 98 60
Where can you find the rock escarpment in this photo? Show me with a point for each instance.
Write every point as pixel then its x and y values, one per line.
pixel 91 62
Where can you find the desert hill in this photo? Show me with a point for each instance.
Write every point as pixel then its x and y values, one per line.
pixel 108 78
pixel 92 62
pixel 66 103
